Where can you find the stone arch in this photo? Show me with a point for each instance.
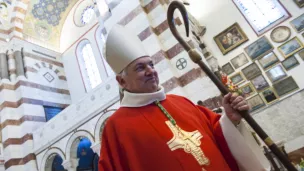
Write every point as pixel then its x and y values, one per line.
pixel 71 147
pixel 100 123
pixel 49 156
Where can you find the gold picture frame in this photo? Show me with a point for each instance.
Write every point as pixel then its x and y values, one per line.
pixel 230 38
pixel 290 47
pixel 269 95
pixel 248 90
pixel 237 78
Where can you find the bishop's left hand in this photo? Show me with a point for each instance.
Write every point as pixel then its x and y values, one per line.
pixel 233 103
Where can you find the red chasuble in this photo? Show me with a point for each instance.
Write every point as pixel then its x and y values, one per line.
pixel 140 139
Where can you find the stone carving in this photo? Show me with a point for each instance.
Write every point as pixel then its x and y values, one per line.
pixel 181 63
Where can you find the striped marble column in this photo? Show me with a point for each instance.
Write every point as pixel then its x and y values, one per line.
pixel 3 64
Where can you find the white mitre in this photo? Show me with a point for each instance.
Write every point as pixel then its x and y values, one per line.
pixel 122 48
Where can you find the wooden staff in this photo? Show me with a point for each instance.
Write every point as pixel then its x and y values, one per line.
pixel 196 58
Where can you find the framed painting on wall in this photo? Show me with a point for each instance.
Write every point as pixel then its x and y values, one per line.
pixel 290 63
pixel 237 78
pixel 291 47
pixel 230 38
pixel 239 60
pixel 280 34
pixel 269 95
pixel 251 71
pixel 300 3
pixel 247 90
pixel 255 102
pixel 276 73
pixel 268 60
pixel 301 54
pixel 227 68
pixel 259 83
pixel 259 48
pixel 298 23
pixel 286 86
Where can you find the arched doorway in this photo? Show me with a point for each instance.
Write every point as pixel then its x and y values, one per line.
pixel 54 163
pixel 88 160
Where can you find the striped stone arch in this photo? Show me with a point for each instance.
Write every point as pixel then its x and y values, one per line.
pixel 48 158
pixel 71 147
pixel 100 124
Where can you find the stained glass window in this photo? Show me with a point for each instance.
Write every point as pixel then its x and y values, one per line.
pixel 88 66
pixel 262 15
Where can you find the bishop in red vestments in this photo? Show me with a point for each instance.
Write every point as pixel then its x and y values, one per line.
pixel 152 131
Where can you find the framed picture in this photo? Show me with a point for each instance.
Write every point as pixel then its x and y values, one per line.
pixel 255 102
pixel 300 3
pixel 227 68
pixel 260 83
pixel 251 71
pixel 298 23
pixel 280 34
pixel 276 73
pixel 285 86
pixel 269 95
pixel 247 90
pixel 301 54
pixel 291 47
pixel 258 48
pixel 237 78
pixel 268 60
pixel 230 38
pixel 290 63
pixel 239 60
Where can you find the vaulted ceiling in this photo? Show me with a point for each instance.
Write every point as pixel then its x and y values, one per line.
pixel 38 21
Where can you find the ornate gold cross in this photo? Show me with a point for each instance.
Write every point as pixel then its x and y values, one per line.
pixel 189 141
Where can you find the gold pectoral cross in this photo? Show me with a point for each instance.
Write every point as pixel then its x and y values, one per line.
pixel 189 141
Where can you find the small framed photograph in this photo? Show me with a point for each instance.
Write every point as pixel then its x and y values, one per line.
pixel 286 86
pixel 276 73
pixel 251 71
pixel 300 3
pixel 259 48
pixel 259 83
pixel 237 78
pixel 301 54
pixel 227 68
pixel 239 60
pixel 291 47
pixel 269 95
pixel 298 23
pixel 247 90
pixel 290 63
pixel 255 102
pixel 230 38
pixel 269 60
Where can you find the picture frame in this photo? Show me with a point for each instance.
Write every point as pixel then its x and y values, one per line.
pixel 301 54
pixel 290 63
pixel 276 73
pixel 268 60
pixel 259 48
pixel 230 38
pixel 227 68
pixel 280 34
pixel 290 47
pixel 239 60
pixel 269 95
pixel 247 90
pixel 300 3
pixel 260 83
pixel 285 86
pixel 251 71
pixel 237 78
pixel 298 23
pixel 256 102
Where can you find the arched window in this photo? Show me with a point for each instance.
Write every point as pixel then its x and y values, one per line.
pixel 87 63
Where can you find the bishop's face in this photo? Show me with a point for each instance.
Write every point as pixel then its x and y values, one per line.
pixel 140 76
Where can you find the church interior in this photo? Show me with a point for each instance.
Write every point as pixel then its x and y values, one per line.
pixel 57 90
